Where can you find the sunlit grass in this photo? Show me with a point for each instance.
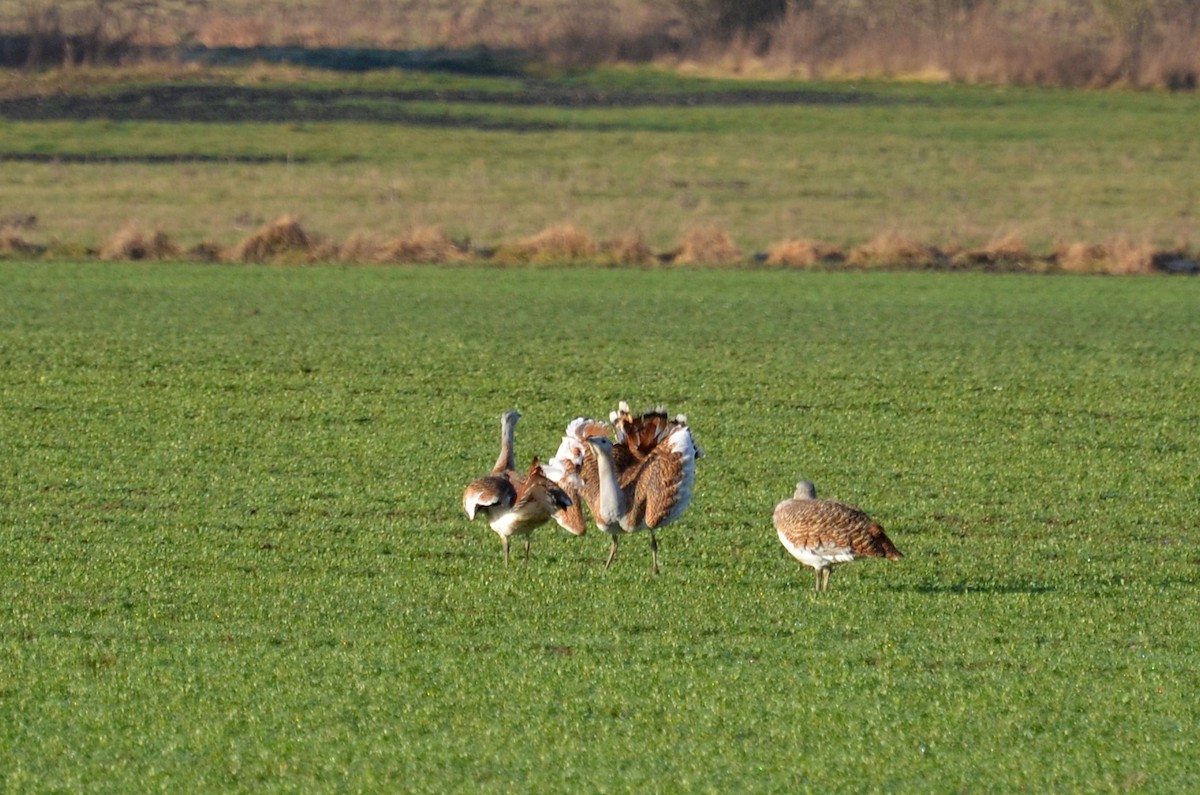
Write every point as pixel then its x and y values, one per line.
pixel 235 557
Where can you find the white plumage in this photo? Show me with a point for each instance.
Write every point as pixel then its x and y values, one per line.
pixel 644 480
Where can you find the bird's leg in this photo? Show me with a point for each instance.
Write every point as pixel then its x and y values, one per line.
pixel 817 584
pixel 612 552
pixel 654 552
pixel 825 578
pixel 504 541
pixel 526 549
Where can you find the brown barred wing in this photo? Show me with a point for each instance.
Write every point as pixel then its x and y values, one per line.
pixel 820 524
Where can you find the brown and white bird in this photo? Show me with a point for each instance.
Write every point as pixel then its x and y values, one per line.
pixel 644 480
pixel 515 503
pixel 573 467
pixel 823 533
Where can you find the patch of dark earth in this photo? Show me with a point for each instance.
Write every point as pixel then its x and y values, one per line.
pixel 247 104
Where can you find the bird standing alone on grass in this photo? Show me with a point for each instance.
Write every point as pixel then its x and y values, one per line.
pixel 823 533
pixel 515 503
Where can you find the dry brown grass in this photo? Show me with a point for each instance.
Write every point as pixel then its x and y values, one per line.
pixel 590 34
pixel 204 251
pixel 628 248
pixel 1081 46
pixel 1119 256
pixel 361 247
pixel 18 221
pixel 420 244
pixel 1065 44
pixel 561 243
pixel 282 241
pixel 12 244
pixel 131 243
pixel 705 244
pixel 802 253
pixel 891 250
pixel 1005 253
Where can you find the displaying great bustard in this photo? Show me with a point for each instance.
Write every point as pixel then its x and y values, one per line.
pixel 642 480
pixel 574 468
pixel 515 503
pixel 822 533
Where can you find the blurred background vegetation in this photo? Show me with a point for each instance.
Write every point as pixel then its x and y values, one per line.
pixel 1072 43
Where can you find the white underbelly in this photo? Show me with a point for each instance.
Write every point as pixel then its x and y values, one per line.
pixel 817 557
pixel 510 523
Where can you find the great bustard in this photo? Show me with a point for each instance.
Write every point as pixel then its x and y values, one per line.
pixel 574 468
pixel 641 481
pixel 515 503
pixel 822 533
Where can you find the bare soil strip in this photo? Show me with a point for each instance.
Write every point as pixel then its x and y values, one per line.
pixel 236 104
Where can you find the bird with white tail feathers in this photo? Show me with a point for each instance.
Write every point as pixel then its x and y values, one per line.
pixel 643 479
pixel 515 503
pixel 823 533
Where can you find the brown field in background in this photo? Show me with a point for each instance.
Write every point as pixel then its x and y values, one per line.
pixel 1134 43
pixel 1141 43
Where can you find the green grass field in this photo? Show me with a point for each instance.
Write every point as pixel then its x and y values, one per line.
pixel 846 163
pixel 235 558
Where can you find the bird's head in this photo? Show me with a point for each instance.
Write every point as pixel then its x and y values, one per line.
pixel 600 444
pixel 805 490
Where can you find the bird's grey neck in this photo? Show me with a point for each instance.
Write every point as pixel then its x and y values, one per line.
pixel 612 499
pixel 805 490
pixel 506 459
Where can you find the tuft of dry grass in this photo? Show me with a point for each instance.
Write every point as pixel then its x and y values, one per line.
pixel 131 243
pixel 802 253
pixel 562 243
pixel 627 248
pixel 1119 256
pixel 282 240
pixel 705 245
pixel 893 250
pixel 1005 253
pixel 361 247
pixel 419 245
